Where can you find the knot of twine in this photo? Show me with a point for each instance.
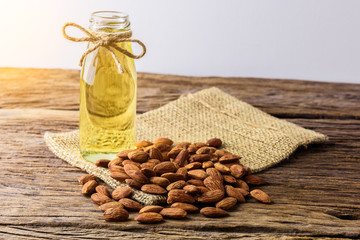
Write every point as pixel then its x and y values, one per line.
pixel 106 40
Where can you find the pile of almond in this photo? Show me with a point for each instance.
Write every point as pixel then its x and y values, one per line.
pixel 191 175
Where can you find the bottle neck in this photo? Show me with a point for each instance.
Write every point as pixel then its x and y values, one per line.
pixel 109 21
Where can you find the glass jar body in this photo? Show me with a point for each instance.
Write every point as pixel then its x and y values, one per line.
pixel 107 102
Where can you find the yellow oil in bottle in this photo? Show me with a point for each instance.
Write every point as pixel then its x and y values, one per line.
pixel 107 104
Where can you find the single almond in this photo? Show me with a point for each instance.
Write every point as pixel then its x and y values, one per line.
pixel 85 178
pixel 120 176
pixel 130 165
pixel 192 149
pixel 163 147
pixel 138 156
pixel 232 163
pixel 192 189
pixel 100 199
pixel 124 154
pixel 234 192
pixel 155 153
pixel 130 205
pixel 103 190
pixel 200 158
pixel 102 163
pixel 261 196
pixel 153 189
pixel 243 191
pixel 176 185
pixel 173 177
pixel 229 179
pixel 116 168
pixel 121 192
pixel 214 142
pixel 226 203
pixel 182 171
pixel 242 184
pixel 115 162
pixel 222 168
pixel 182 158
pixel 138 176
pixel 127 161
pixel 237 170
pixel 197 174
pixel 174 152
pixel 211 196
pixel 149 217
pixel 179 195
pixel 213 184
pixel 135 173
pixel 213 212
pixel 194 165
pixel 149 165
pixel 213 172
pixel 203 150
pixel 108 205
pixel 166 141
pixel 133 183
pixel 89 187
pixel 143 144
pixel 161 181
pixel 174 213
pixel 186 206
pixel 228 158
pixel 116 214
pixel 195 182
pixel 207 164
pixel 254 180
pixel 220 152
pixel 151 208
pixel 164 167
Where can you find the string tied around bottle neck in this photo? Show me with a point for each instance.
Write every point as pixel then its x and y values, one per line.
pixel 106 40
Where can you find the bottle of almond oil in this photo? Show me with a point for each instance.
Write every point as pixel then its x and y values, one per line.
pixel 107 95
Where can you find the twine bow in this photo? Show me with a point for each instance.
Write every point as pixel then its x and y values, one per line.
pixel 106 40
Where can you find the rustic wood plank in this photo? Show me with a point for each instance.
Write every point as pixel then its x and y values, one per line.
pixel 318 196
pixel 59 89
pixel 316 192
pixel 68 232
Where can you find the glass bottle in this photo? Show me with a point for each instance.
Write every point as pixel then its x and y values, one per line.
pixel 107 96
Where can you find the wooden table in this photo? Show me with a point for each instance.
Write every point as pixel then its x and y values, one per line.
pixel 316 192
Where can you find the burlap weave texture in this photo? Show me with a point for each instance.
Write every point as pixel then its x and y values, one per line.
pixel 259 138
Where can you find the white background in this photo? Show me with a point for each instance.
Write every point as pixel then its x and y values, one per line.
pixel 298 39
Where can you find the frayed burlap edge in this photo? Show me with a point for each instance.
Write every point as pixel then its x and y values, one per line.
pixel 64 146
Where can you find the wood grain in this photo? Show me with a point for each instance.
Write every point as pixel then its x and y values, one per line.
pixel 59 89
pixel 316 192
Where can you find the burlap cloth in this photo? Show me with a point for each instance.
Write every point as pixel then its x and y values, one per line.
pixel 260 139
